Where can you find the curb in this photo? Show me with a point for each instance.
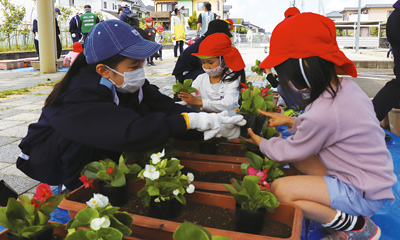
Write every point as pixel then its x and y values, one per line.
pixel 374 64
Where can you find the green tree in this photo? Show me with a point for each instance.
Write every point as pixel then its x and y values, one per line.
pixel 374 31
pixel 12 18
pixel 192 21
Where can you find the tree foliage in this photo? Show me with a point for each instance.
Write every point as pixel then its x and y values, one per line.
pixel 192 21
pixel 12 19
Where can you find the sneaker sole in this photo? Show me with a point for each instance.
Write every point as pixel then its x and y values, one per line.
pixel 377 235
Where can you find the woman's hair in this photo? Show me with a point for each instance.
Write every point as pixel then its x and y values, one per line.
pixel 229 76
pixel 77 65
pixel 319 72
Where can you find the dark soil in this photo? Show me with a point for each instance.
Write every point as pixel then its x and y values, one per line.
pixel 231 150
pixel 214 177
pixel 210 216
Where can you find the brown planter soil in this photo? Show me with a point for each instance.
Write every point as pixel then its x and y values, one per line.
pixel 211 158
pixel 59 234
pixel 152 228
pixel 217 187
pixel 225 148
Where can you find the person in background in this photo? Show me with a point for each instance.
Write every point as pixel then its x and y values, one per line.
pixel 178 30
pixel 88 20
pixel 104 106
pixel 159 39
pixel 189 66
pixel 151 34
pixel 204 19
pixel 231 28
pixel 125 11
pixel 389 96
pixel 224 70
pixel 35 30
pixel 74 28
pixel 71 56
pixel 347 170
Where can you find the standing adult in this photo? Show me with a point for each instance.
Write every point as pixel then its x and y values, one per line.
pixel 389 96
pixel 74 28
pixel 204 19
pixel 35 30
pixel 125 10
pixel 178 30
pixel 88 20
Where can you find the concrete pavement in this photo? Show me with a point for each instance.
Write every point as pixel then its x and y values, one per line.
pixel 17 112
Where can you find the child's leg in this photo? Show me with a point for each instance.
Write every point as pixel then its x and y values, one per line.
pixel 181 47
pixel 176 49
pixel 310 166
pixel 160 53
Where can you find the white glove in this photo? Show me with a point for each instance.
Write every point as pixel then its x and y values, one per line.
pixel 231 127
pixel 183 103
pixel 37 36
pixel 73 35
pixel 210 124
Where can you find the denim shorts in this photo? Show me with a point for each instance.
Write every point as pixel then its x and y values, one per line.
pixel 348 199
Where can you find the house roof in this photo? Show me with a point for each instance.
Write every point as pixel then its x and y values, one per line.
pixel 150 8
pixel 334 14
pixel 378 5
pixel 227 8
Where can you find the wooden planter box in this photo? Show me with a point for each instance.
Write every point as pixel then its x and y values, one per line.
pixel 153 228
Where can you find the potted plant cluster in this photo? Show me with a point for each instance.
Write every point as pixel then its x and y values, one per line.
pixel 185 87
pixel 265 168
pixel 251 204
pixel 252 99
pixel 165 186
pixel 28 218
pixel 99 220
pixel 113 178
pixel 256 68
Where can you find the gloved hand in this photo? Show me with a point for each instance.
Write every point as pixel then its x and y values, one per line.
pixel 37 36
pixel 210 124
pixel 73 35
pixel 230 129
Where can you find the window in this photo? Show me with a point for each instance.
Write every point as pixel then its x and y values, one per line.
pixel 105 5
pixel 166 7
pixel 200 6
pixel 140 15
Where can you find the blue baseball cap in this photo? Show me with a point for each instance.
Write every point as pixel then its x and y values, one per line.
pixel 57 10
pixel 111 37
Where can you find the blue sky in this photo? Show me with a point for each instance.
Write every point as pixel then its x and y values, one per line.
pixel 268 13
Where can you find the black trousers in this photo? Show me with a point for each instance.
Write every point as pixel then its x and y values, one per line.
pixel 179 44
pixel 389 96
pixel 59 49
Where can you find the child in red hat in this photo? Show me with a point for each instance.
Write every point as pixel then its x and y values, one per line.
pixel 159 39
pixel 71 56
pixel 151 34
pixel 337 142
pixel 224 70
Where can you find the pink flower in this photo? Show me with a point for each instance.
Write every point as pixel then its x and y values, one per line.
pixel 251 171
pixel 268 185
pixel 197 93
pixel 87 183
pixel 43 192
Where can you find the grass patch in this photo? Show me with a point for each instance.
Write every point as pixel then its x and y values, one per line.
pixel 20 91
pixel 23 91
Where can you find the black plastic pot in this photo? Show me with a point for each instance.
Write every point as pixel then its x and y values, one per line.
pixel 118 196
pixel 46 235
pixel 254 122
pixel 6 192
pixel 248 221
pixel 208 147
pixel 165 209
pixel 176 98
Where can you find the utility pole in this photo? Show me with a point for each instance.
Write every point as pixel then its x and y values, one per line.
pixel 358 25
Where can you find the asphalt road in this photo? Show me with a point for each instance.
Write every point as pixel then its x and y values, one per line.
pixel 371 81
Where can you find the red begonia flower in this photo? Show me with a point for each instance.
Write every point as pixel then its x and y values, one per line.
pixel 244 85
pixel 251 171
pixel 43 192
pixel 110 170
pixel 87 183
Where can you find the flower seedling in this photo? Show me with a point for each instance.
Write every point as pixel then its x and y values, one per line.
pixel 265 168
pixel 99 220
pixel 255 98
pixel 28 218
pixel 189 230
pixel 248 195
pixel 164 180
pixel 256 68
pixel 185 87
pixel 109 172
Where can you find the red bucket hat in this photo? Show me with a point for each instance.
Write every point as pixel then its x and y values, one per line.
pixel 307 35
pixel 291 12
pixel 219 44
pixel 77 47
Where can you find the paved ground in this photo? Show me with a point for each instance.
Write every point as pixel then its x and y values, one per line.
pixel 18 112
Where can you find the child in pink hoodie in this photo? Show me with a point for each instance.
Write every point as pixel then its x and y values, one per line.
pixel 76 50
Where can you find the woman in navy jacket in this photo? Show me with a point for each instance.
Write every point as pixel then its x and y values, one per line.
pixel 104 106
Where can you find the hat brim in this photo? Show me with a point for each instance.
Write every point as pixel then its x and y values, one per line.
pixel 140 50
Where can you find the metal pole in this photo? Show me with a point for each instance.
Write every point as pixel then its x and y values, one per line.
pixel 47 36
pixel 358 25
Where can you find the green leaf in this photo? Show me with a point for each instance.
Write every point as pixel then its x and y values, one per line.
pixel 187 231
pixel 153 191
pixel 220 238
pixel 43 219
pixel 86 215
pixel 251 185
pixel 79 234
pixel 109 234
pixel 259 103
pixel 241 197
pixel 15 210
pixel 254 160
pixel 124 218
pixel 115 223
pixel 91 170
pixel 187 83
pixel 30 231
pixel 108 210
pixel 230 188
pixel 119 179
pixel 191 90
pixel 243 168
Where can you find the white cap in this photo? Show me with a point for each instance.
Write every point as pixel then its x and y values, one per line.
pixel 178 6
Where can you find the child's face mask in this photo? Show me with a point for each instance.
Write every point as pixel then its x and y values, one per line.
pixel 148 24
pixel 133 81
pixel 305 92
pixel 215 72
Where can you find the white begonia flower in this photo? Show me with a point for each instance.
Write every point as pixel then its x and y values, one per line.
pixel 190 188
pixel 98 223
pixel 157 200
pixel 190 177
pixel 151 173
pixel 176 192
pixel 97 200
pixel 156 157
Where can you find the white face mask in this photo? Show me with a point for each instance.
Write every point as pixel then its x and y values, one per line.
pixel 215 72
pixel 148 24
pixel 305 92
pixel 133 81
